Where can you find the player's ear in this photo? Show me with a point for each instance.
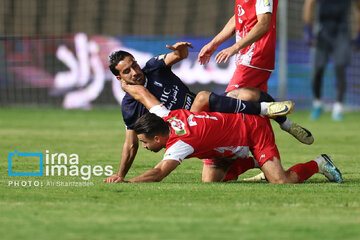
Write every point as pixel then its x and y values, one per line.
pixel 118 77
pixel 157 139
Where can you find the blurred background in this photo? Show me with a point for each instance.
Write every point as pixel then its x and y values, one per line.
pixel 55 52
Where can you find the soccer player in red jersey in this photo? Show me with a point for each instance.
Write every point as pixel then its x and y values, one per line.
pixel 254 25
pixel 222 137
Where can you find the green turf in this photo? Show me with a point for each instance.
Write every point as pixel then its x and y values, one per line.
pixel 180 207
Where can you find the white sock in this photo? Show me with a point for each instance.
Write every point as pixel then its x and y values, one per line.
pixel 286 125
pixel 317 103
pixel 263 108
pixel 338 108
pixel 318 161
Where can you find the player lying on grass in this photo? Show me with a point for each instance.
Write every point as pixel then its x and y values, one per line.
pixel 222 137
pixel 158 78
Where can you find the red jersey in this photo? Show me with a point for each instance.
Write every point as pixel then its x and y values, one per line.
pixel 260 54
pixel 215 135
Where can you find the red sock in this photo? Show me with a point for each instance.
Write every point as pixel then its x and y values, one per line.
pixel 240 166
pixel 305 170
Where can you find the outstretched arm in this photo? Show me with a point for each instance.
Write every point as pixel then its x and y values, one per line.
pixel 158 173
pixel 308 17
pixel 208 50
pixel 308 11
pixel 260 28
pixel 180 52
pixel 357 16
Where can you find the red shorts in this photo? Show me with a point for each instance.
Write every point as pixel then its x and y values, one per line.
pixel 249 77
pixel 264 147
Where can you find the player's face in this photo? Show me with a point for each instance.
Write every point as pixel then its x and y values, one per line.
pixel 150 144
pixel 130 71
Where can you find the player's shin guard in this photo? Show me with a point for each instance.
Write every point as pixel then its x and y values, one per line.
pixel 240 166
pixel 305 170
pixel 225 104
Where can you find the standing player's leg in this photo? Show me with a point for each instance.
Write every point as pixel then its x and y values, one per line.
pixel 341 60
pixel 317 106
pixel 320 58
pixel 337 113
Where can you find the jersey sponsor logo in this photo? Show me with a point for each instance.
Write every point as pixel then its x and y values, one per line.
pixel 158 84
pixel 162 56
pixel 177 125
pixel 188 101
pixel 241 12
pixel 267 3
pixel 169 96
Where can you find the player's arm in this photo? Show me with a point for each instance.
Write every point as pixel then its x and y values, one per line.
pixel 158 173
pixel 141 94
pixel 308 17
pixel 260 28
pixel 129 151
pixel 208 50
pixel 357 16
pixel 179 52
pixel 308 11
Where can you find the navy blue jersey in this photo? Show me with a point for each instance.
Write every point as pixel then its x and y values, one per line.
pixel 333 16
pixel 164 85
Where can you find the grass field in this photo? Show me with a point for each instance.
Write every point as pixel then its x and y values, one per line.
pixel 180 207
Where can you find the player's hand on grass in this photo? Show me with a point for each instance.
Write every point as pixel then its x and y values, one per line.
pixel 206 52
pixel 225 54
pixel 114 179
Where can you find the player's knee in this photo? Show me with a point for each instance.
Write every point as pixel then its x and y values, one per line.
pixel 277 180
pixel 202 97
pixel 206 178
pixel 246 94
pixel 201 102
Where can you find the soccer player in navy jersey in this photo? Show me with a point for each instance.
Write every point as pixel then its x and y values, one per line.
pixel 160 80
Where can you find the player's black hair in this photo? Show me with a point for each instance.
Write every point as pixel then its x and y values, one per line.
pixel 151 125
pixel 115 58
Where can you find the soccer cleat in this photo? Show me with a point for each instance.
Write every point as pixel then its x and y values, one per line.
pixel 328 168
pixel 275 109
pixel 301 134
pixel 258 178
pixel 337 117
pixel 315 113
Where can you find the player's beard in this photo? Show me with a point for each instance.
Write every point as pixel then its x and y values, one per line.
pixel 138 80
